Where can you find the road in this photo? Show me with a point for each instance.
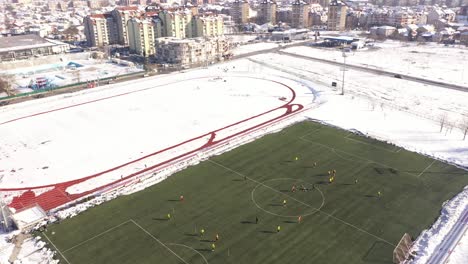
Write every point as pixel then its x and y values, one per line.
pixel 449 243
pixel 380 72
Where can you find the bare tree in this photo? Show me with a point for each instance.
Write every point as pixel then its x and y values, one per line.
pixel 464 127
pixel 5 84
pixel 442 121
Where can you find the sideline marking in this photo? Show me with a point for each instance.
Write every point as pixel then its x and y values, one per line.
pixel 422 172
pixel 98 235
pixel 329 215
pixel 57 249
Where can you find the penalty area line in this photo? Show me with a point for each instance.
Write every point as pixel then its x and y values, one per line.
pixel 318 210
pixel 159 241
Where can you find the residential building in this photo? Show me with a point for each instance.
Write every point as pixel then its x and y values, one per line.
pixel 207 26
pixel 175 24
pixel 125 2
pixel 94 4
pixel 336 16
pixel 383 31
pixel 240 11
pixel 300 14
pixel 437 13
pixel 100 30
pixel 353 19
pixel 317 18
pixel 396 17
pixel 141 36
pixel 284 15
pixel 121 16
pixel 464 38
pixel 324 3
pixel 191 51
pixel 266 12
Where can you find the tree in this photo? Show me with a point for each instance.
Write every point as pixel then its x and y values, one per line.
pixel 442 121
pixel 72 30
pixel 5 84
pixel 464 127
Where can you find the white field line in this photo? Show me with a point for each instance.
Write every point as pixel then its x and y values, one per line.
pixel 329 215
pixel 365 159
pixel 98 235
pixel 159 241
pixel 311 132
pixel 332 213
pixel 57 249
pixel 422 172
pixel 185 246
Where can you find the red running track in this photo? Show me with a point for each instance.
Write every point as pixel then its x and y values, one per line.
pixel 57 196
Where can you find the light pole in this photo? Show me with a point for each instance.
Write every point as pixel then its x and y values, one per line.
pixel 4 218
pixel 344 69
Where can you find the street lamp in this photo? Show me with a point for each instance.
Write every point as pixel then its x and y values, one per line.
pixel 344 69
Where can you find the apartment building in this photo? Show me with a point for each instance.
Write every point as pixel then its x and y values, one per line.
pixel 121 16
pixel 266 12
pixel 100 30
pixel 300 14
pixel 207 26
pixel 141 36
pixel 336 16
pixel 191 51
pixel 240 11
pixel 175 24
pixel 113 27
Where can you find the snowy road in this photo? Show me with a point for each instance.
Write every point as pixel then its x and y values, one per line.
pixel 382 72
pixel 443 252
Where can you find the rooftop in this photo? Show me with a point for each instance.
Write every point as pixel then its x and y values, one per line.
pixel 21 40
pixel 25 42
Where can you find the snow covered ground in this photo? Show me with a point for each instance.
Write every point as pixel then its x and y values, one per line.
pixel 254 47
pixel 5 248
pixel 404 113
pixel 60 75
pixel 427 60
pixel 156 116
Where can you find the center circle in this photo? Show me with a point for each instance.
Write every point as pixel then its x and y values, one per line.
pixel 306 200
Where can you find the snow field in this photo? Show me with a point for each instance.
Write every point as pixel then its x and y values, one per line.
pixel 144 131
pixel 432 61
pixel 418 99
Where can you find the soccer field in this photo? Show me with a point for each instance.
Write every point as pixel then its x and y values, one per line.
pixel 342 222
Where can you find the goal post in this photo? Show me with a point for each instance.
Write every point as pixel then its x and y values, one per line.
pixel 402 250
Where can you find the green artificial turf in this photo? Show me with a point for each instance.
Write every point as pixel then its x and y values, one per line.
pixel 342 222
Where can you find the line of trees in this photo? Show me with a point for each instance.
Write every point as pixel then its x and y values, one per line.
pixel 444 123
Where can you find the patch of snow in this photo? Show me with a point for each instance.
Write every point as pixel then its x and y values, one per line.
pixel 426 244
